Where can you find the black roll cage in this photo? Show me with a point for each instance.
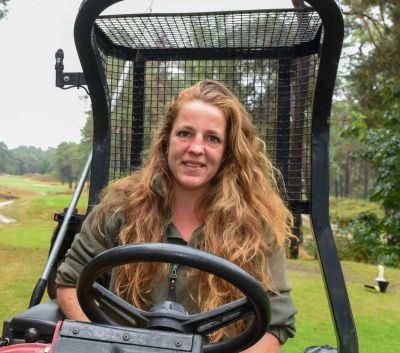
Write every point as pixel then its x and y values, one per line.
pixel 90 40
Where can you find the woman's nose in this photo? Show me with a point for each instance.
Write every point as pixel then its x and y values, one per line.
pixel 196 146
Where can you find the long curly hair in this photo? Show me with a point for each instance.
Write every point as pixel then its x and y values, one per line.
pixel 241 206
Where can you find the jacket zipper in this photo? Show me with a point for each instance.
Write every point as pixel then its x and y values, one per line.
pixel 173 275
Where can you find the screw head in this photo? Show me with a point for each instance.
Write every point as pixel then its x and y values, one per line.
pixel 125 337
pixel 66 78
pixel 178 343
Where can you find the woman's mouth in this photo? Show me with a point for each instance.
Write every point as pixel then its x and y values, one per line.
pixel 193 164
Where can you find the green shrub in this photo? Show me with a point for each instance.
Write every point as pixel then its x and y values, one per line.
pixel 311 248
pixel 369 239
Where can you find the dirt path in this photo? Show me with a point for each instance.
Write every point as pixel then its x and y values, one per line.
pixel 3 218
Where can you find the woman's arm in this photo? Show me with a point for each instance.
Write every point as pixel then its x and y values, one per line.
pixel 87 244
pixel 282 324
pixel 267 344
pixel 69 305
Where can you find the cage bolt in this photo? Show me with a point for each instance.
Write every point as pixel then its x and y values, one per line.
pixel 126 337
pixel 178 343
pixel 75 331
pixel 66 78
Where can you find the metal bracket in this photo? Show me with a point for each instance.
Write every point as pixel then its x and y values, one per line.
pixel 69 79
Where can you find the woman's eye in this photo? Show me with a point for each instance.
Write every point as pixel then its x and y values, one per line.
pixel 184 133
pixel 214 139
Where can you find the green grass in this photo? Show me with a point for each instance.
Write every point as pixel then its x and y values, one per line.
pixel 376 314
pixel 313 324
pixel 20 268
pixel 346 208
pixel 38 207
pixel 34 214
pixel 32 184
pixel 24 246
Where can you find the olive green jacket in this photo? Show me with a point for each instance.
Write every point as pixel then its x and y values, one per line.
pixel 89 243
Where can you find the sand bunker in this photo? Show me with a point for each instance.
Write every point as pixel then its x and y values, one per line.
pixel 3 218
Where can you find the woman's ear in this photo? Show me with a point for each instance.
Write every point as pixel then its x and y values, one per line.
pixel 227 154
pixel 165 147
pixel 225 157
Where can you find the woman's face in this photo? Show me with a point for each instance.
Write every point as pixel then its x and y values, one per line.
pixel 196 145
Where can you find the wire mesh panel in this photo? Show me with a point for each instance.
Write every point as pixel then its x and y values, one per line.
pixel 282 65
pixel 251 29
pixel 267 58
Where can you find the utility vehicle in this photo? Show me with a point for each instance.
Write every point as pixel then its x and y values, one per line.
pixel 282 64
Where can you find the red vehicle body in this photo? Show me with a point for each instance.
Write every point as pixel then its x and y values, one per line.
pixel 27 348
pixel 33 347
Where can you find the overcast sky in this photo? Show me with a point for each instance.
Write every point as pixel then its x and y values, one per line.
pixel 33 112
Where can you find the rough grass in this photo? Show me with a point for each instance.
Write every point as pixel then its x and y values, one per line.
pixel 33 184
pixel 12 193
pixel 345 208
pixel 42 178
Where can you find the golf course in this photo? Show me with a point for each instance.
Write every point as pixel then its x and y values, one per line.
pixel 31 201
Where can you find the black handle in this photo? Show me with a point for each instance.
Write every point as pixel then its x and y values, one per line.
pixel 38 292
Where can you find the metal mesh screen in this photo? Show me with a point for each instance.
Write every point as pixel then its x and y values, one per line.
pixel 251 29
pixel 276 88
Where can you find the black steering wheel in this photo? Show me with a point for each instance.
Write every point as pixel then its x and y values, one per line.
pixel 254 303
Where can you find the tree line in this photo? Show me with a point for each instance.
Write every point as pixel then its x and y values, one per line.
pixel 3 8
pixel 370 105
pixel 64 162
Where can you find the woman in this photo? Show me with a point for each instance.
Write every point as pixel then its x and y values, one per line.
pixel 205 183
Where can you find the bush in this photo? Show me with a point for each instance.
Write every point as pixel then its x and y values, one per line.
pixel 310 247
pixel 369 239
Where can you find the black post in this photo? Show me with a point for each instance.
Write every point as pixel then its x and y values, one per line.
pixel 283 118
pixel 138 113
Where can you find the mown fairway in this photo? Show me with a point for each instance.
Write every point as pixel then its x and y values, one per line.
pixel 24 246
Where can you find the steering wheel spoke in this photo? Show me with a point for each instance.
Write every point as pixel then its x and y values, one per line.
pixel 118 308
pixel 210 321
